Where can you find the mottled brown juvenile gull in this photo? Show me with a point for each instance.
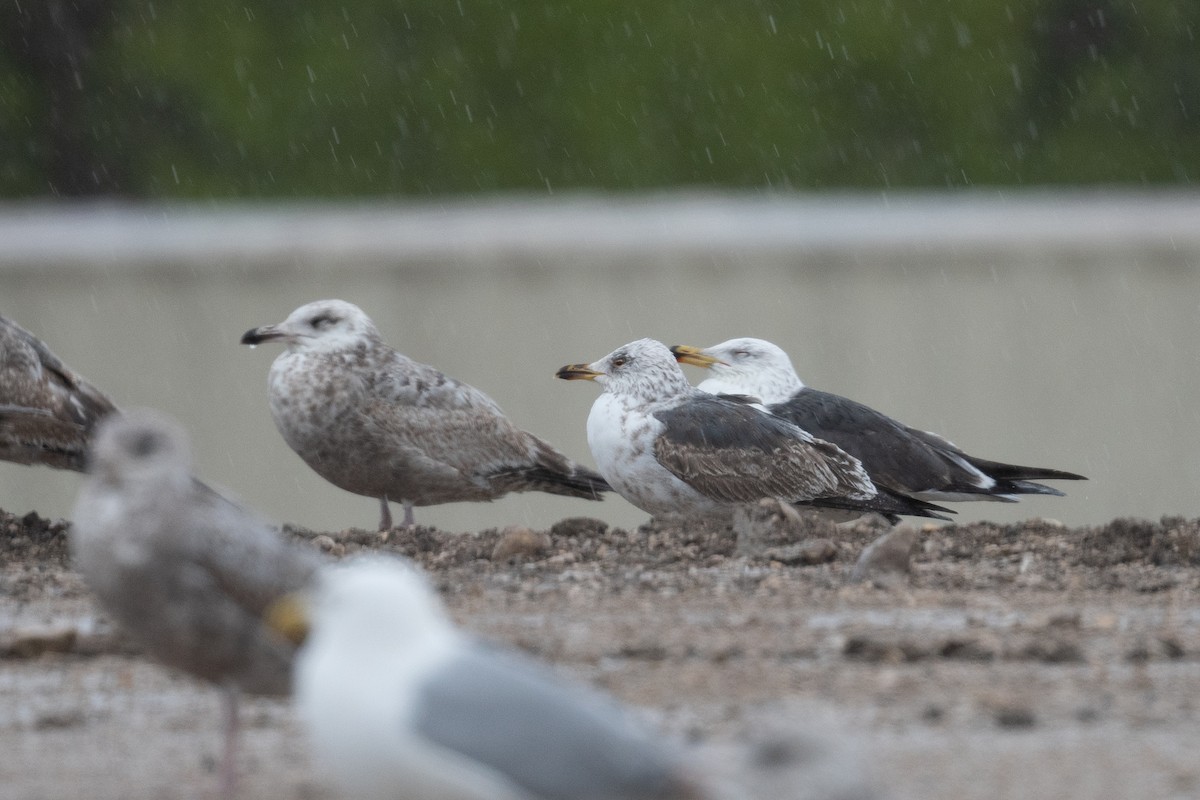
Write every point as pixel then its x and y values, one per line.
pixel 47 412
pixel 401 704
pixel 185 571
pixel 903 459
pixel 668 447
pixel 375 422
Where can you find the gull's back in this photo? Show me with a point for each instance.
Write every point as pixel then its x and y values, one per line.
pixel 550 739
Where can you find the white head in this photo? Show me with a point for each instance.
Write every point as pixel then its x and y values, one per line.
pixel 644 370
pixel 372 630
pixel 320 326
pixel 744 366
pixel 375 602
pixel 140 447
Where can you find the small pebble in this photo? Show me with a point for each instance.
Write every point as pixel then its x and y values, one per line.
pixel 518 542
pixel 31 643
pixel 888 557
pixel 811 551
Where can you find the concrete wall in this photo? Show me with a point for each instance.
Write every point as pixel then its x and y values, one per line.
pixel 1056 330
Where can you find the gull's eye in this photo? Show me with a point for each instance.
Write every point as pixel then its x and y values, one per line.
pixel 144 444
pixel 741 354
pixel 619 361
pixel 322 321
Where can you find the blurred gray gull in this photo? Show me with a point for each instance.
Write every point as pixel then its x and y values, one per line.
pixel 399 703
pixel 903 459
pixel 374 422
pixel 47 412
pixel 667 447
pixel 185 571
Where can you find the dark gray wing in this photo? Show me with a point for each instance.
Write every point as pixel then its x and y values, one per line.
pixel 745 399
pixel 555 741
pixel 899 457
pixel 733 453
pixel 890 453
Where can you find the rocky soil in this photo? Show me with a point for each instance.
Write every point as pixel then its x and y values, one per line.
pixel 973 661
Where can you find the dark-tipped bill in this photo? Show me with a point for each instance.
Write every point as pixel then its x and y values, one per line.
pixel 686 354
pixel 267 333
pixel 577 372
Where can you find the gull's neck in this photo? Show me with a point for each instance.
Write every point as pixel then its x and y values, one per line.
pixel 776 386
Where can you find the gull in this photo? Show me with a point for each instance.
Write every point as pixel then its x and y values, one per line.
pixel 47 412
pixel 186 572
pixel 667 447
pixel 400 704
pixel 906 460
pixel 374 422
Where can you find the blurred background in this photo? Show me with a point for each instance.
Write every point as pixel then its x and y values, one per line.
pixel 977 218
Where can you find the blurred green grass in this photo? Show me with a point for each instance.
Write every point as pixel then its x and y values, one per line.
pixel 281 98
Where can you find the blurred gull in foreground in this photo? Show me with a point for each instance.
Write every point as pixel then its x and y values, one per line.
pixel 374 422
pixel 47 412
pixel 667 447
pixel 900 458
pixel 188 573
pixel 400 704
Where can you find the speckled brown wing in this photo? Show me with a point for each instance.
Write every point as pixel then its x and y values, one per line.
pixel 469 453
pixel 35 436
pixel 733 453
pixel 47 412
pixel 399 380
pixel 450 441
pixel 433 453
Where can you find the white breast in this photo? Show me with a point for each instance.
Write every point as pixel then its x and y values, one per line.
pixel 621 439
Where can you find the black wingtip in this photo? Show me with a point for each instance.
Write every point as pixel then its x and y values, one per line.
pixel 912 506
pixel 591 482
pixel 1000 471
pixel 581 483
pixel 891 505
pixel 1029 487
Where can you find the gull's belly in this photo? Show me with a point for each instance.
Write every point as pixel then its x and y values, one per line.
pixel 622 443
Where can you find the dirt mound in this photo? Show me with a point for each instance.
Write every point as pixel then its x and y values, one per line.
pixel 1140 554
pixel 1027 660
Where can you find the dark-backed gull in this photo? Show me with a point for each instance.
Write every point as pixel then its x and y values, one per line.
pixel 668 447
pixel 903 459
pixel 185 571
pixel 375 422
pixel 400 704
pixel 47 412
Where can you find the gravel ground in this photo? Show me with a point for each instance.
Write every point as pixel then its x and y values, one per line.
pixel 973 661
